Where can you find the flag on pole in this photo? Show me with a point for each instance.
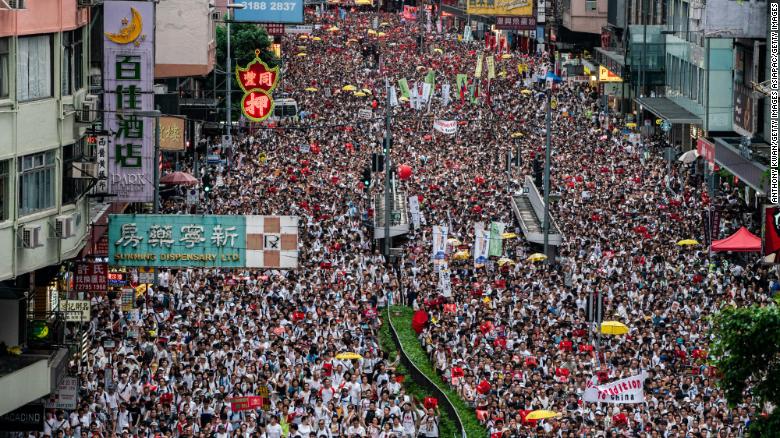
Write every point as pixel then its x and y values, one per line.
pixel 461 81
pixel 430 78
pixel 478 70
pixel 496 230
pixel 404 86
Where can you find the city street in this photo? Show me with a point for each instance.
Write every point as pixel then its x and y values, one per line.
pixel 269 313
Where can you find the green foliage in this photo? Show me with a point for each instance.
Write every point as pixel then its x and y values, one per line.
pixel 415 352
pixel 746 351
pixel 447 425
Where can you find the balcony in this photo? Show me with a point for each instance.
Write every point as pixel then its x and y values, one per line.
pixel 27 378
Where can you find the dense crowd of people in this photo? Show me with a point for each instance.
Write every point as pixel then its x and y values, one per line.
pixel 205 337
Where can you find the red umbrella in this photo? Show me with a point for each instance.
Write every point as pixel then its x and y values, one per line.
pixel 179 178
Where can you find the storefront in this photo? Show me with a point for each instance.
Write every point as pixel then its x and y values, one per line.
pixel 685 126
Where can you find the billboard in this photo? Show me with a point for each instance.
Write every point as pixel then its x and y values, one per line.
pixel 605 75
pixel 266 11
pixel 203 241
pixel 128 62
pixel 745 109
pixel 517 8
pixel 515 23
pixel 90 277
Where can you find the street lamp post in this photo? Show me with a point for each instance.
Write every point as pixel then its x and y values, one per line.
pixel 547 154
pixel 228 77
pixel 155 166
pixel 388 173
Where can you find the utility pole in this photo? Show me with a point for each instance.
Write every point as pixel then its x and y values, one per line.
pixel 388 173
pixel 547 153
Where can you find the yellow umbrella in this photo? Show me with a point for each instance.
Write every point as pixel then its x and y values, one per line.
pixel 504 261
pixel 438 50
pixel 333 29
pixel 301 47
pixel 349 88
pixel 371 32
pixel 508 236
pixel 631 125
pixel 380 34
pixel 316 39
pixel 461 255
pixel 303 36
pixel 516 134
pixel 351 40
pixel 453 241
pixel 613 328
pixel 506 56
pixel 348 355
pixel 301 55
pixel 359 94
pixel 541 414
pixel 688 242
pixel 536 257
pixel 310 89
pixel 502 73
pixel 403 99
pixel 526 92
pixel 366 90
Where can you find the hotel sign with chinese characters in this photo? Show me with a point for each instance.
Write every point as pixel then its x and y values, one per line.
pixel 128 60
pixel 204 241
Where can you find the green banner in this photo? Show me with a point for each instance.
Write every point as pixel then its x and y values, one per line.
pixel 496 230
pixel 404 86
pixel 430 78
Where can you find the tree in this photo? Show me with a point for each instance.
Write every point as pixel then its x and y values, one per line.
pixel 245 38
pixel 746 351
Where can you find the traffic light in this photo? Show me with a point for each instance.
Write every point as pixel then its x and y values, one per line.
pixel 377 162
pixel 366 178
pixel 206 183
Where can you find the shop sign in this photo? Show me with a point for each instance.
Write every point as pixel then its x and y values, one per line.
pixel 515 23
pixel 128 60
pixel 205 241
pixel 66 395
pixel 90 277
pixel 744 110
pixel 501 7
pixel 27 418
pixel 75 310
pixel 172 133
pixel 605 75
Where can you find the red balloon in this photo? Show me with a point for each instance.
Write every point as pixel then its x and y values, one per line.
pixel 404 172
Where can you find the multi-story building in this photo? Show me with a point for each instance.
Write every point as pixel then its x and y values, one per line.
pixel 582 21
pixel 44 213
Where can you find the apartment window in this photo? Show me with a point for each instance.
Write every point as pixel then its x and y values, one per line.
pixel 5 73
pixel 34 68
pixel 72 188
pixel 4 195
pixel 72 55
pixel 36 182
pixel 590 5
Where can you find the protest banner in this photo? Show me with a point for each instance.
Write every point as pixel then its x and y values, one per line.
pixel 448 127
pixel 623 391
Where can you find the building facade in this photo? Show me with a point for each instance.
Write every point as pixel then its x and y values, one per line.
pixel 44 213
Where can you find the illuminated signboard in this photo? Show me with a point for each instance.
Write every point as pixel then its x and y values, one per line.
pixel 607 76
pixel 267 11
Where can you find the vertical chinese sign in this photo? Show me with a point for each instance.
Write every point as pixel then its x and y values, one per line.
pixel 128 60
pixel 258 82
pixel 91 277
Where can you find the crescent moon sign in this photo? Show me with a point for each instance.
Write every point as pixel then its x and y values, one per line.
pixel 128 32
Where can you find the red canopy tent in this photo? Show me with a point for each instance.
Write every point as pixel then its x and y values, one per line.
pixel 741 241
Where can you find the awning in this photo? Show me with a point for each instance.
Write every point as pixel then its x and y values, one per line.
pixel 668 110
pixel 741 241
pixel 748 171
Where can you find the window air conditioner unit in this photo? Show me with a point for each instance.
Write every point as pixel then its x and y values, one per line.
pixel 63 227
pixel 216 16
pixel 17 4
pixel 88 112
pixel 82 170
pixel 31 236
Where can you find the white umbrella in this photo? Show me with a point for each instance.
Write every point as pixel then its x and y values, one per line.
pixel 689 157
